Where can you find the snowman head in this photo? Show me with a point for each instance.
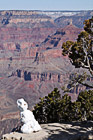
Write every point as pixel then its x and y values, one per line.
pixel 22 105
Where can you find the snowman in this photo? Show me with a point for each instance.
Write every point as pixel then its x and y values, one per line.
pixel 27 118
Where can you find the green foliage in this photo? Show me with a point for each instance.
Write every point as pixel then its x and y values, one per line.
pixel 88 25
pixel 65 108
pixel 86 100
pixel 47 109
pixel 66 46
pixel 84 35
pixel 54 108
pixel 80 52
pixel 76 112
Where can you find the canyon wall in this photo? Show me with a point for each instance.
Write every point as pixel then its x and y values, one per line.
pixel 31 61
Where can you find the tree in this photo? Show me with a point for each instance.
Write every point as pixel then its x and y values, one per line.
pixel 82 108
pixel 65 108
pixel 80 53
pixel 54 108
pixel 76 113
pixel 85 98
pixel 48 107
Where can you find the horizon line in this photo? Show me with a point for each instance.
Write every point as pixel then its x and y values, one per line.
pixel 45 10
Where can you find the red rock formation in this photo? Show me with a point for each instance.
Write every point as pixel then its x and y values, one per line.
pixel 69 32
pixel 31 61
pixel 10 36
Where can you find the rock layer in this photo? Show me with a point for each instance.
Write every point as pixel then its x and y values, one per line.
pixel 31 61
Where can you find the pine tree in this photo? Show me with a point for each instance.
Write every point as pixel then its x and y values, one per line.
pixel 81 52
pixel 47 109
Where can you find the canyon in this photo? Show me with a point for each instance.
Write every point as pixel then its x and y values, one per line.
pixel 31 61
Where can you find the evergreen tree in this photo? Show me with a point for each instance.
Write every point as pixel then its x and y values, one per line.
pixel 86 100
pixel 81 51
pixel 47 109
pixel 80 54
pixel 54 108
pixel 65 108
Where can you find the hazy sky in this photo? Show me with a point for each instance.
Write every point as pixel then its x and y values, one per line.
pixel 46 4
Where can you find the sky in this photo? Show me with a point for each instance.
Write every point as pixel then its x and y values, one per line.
pixel 46 5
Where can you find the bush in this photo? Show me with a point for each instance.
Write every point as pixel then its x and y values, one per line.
pixel 54 108
pixel 48 108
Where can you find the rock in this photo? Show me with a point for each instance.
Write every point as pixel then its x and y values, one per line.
pixel 55 131
pixel 77 19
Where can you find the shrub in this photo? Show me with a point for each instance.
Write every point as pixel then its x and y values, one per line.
pixel 54 108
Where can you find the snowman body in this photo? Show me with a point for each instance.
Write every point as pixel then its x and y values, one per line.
pixel 27 118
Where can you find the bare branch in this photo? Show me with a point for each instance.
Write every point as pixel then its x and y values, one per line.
pixel 87 84
pixel 83 65
pixel 76 80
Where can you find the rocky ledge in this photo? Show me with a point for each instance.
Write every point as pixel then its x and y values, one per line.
pixel 57 131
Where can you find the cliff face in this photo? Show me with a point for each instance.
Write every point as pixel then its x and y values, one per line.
pixel 23 28
pixel 11 37
pixel 31 61
pixel 77 19
pixel 30 28
pixel 9 124
pixel 70 32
